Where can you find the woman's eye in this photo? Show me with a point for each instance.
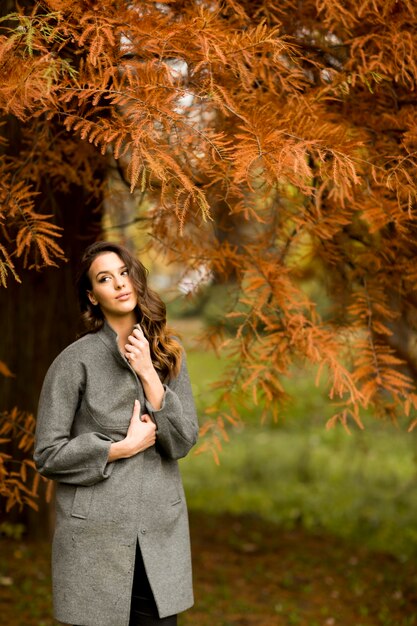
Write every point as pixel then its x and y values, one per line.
pixel 125 272
pixel 103 279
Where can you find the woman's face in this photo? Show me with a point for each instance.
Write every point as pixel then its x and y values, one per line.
pixel 111 287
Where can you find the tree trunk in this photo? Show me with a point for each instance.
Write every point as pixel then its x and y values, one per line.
pixel 40 316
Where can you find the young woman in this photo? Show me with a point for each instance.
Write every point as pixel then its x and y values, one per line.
pixel 115 413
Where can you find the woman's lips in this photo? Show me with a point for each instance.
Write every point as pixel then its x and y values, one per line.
pixel 123 296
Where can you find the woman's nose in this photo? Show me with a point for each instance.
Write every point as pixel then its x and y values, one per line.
pixel 119 282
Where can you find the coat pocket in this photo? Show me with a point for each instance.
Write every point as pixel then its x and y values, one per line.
pixel 82 502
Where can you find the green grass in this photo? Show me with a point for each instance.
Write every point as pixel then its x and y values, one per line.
pixel 361 486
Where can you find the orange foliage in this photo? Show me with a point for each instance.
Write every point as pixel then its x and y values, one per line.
pixel 294 121
pixel 19 480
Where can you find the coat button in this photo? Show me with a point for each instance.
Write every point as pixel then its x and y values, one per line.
pixel 143 531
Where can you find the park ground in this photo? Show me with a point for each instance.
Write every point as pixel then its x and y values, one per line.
pixel 248 572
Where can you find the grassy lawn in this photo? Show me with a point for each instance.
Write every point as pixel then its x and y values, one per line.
pixel 320 481
pixel 361 486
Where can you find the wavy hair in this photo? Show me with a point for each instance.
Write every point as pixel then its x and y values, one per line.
pixel 165 350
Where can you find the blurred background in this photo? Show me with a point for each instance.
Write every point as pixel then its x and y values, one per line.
pixel 259 158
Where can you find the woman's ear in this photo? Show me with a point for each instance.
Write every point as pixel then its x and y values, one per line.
pixel 92 298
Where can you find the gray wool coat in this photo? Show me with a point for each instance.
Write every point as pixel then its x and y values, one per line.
pixel 103 509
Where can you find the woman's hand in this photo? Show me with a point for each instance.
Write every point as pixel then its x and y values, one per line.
pixel 140 435
pixel 139 356
pixel 138 353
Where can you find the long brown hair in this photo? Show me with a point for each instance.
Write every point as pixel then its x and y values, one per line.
pixel 166 352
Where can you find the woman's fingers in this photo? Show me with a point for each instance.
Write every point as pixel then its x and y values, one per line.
pixel 138 353
pixel 137 336
pixel 142 430
pixel 130 350
pixel 136 410
pixel 137 342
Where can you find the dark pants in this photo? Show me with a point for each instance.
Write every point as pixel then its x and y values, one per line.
pixel 143 611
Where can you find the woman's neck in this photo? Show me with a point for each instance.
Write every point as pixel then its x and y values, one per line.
pixel 123 326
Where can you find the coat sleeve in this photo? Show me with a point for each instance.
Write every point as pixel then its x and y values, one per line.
pixel 176 420
pixel 77 460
